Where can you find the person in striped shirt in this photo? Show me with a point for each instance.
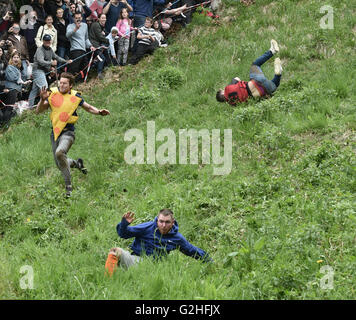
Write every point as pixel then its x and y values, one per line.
pixel 147 42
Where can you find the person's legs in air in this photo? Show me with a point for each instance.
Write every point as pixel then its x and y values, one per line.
pixel 267 55
pixel 257 74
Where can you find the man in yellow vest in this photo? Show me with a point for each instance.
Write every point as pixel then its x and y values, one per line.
pixel 64 102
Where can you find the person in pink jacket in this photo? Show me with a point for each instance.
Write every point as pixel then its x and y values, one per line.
pixel 124 31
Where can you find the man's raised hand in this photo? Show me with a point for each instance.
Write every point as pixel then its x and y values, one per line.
pixel 44 94
pixel 129 216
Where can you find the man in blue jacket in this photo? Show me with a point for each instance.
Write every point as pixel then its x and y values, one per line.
pixel 155 238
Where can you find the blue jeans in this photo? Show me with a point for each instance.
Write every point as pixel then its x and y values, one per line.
pixel 62 52
pixel 139 21
pixel 60 149
pixel 24 73
pixel 39 81
pixel 101 62
pixel 257 74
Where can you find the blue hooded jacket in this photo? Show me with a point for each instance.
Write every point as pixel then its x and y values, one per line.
pixel 150 241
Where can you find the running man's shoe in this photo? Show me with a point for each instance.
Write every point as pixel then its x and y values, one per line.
pixel 274 47
pixel 278 67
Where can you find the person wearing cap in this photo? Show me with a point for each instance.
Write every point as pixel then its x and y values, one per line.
pixel 47 28
pixel 44 61
pixel 258 86
pixel 155 238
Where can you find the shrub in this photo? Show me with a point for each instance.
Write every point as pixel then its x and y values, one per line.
pixel 169 77
pixel 142 97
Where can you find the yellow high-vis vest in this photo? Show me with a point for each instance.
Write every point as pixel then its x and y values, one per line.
pixel 63 106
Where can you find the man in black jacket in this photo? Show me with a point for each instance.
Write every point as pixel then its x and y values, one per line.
pixel 38 6
pixel 63 44
pixel 97 38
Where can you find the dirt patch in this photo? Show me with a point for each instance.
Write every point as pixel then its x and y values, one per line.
pixel 268 8
pixel 247 2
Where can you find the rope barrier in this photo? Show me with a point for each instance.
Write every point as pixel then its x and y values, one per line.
pixel 190 8
pixel 102 47
pixel 165 9
pixel 90 61
pixel 61 66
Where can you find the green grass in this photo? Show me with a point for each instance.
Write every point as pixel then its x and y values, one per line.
pixel 286 209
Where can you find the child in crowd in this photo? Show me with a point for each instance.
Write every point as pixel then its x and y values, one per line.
pixel 147 42
pixel 124 30
pixel 159 36
pixel 112 37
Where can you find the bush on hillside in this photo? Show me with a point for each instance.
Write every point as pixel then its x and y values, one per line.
pixel 169 77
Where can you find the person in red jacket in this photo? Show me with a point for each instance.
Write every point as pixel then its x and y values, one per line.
pixel 258 86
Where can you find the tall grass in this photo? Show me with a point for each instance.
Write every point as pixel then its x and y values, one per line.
pixel 285 210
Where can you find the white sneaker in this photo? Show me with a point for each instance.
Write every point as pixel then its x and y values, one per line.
pixel 274 47
pixel 278 67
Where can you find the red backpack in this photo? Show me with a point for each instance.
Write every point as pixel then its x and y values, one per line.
pixel 236 92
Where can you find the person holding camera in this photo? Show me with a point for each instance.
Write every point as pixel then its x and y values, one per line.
pixel 45 61
pixel 4 22
pixel 53 5
pixel 29 30
pixel 20 44
pixel 78 6
pixel 112 10
pixel 8 48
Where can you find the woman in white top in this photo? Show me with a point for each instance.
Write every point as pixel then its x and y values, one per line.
pixel 48 28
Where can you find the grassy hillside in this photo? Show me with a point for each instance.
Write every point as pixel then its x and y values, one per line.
pixel 285 211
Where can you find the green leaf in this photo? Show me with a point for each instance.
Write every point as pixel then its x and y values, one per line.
pixel 259 244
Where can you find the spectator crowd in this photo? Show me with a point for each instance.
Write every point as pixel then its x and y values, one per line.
pixel 46 37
